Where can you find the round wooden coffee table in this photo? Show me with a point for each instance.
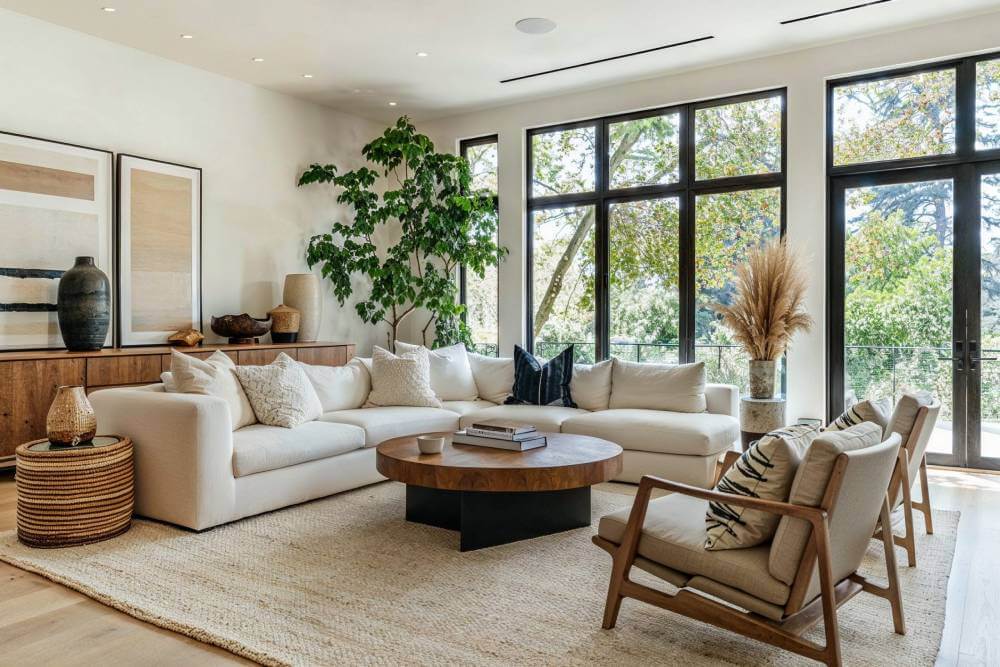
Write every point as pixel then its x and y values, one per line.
pixel 495 496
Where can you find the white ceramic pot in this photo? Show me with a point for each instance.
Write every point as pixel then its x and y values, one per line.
pixel 302 292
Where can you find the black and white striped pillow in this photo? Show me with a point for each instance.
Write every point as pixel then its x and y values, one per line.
pixel 766 470
pixel 865 411
pixel 536 383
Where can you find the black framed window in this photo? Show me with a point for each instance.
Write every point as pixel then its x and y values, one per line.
pixel 481 296
pixel 913 242
pixel 635 223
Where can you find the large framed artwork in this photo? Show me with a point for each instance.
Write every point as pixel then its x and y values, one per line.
pixel 56 204
pixel 159 250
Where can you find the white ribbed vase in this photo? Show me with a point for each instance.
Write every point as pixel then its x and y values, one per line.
pixel 302 292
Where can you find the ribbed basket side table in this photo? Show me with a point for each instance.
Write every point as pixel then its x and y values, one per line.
pixel 67 496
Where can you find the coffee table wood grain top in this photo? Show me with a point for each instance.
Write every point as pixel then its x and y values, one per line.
pixel 567 462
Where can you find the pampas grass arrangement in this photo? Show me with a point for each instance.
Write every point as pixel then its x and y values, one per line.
pixel 768 308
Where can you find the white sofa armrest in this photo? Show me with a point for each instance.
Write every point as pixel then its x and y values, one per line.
pixel 183 446
pixel 723 399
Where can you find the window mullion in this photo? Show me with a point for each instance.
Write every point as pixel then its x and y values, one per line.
pixel 686 267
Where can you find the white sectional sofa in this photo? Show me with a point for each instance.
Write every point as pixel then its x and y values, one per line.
pixel 193 470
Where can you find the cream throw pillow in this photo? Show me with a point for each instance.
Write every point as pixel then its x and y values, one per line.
pixel 658 386
pixel 451 375
pixel 404 380
pixel 494 376
pixel 211 377
pixel 340 387
pixel 766 470
pixel 590 385
pixel 280 393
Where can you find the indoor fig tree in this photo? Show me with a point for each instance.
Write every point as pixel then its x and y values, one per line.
pixel 440 222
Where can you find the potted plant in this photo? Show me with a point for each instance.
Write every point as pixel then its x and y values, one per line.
pixel 425 200
pixel 767 310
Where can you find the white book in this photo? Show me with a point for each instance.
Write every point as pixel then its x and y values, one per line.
pixel 499 435
pixel 463 438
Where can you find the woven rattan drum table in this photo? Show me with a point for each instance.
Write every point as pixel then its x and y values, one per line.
pixel 68 496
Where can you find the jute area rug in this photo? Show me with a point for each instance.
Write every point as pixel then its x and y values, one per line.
pixel 345 580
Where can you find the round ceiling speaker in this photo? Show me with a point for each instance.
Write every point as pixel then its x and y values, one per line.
pixel 535 26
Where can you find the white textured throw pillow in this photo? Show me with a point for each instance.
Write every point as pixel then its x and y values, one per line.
pixel 451 375
pixel 211 377
pixel 658 386
pixel 340 387
pixel 403 380
pixel 590 386
pixel 494 376
pixel 280 393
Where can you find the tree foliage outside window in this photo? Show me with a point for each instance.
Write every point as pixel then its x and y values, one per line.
pixel 482 298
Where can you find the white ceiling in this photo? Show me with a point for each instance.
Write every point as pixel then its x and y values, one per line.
pixel 362 54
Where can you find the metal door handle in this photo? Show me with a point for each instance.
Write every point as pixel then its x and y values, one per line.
pixel 983 359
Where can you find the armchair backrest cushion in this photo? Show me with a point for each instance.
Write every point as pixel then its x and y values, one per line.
pixel 590 386
pixel 808 488
pixel 675 388
pixel 904 415
pixel 916 445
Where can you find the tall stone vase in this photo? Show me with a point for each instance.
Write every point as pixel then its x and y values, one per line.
pixel 762 373
pixel 84 306
pixel 302 292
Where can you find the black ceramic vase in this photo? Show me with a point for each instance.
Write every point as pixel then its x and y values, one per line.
pixel 84 306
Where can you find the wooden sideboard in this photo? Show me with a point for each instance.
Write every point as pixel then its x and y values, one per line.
pixel 28 379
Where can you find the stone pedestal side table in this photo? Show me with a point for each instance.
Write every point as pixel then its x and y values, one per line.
pixel 67 496
pixel 759 416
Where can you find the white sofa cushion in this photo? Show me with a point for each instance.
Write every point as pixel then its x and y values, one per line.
pixel 591 385
pixel 259 448
pixel 658 386
pixel 542 417
pixel 211 377
pixel 402 380
pixel 466 407
pixel 384 423
pixel 494 376
pixel 280 393
pixel 451 374
pixel 691 434
pixel 340 387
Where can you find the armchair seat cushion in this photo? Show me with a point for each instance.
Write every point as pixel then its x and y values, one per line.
pixel 674 536
pixel 384 423
pixel 687 433
pixel 542 417
pixel 259 448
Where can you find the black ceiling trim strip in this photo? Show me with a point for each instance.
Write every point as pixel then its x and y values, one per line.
pixel 604 60
pixel 835 11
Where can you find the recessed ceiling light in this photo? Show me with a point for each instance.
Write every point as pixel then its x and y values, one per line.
pixel 257 60
pixel 535 26
pixel 187 36
pixel 392 104
pixel 108 9
pixel 307 76
pixel 422 54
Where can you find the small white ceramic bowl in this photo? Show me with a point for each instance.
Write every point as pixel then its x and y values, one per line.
pixel 430 444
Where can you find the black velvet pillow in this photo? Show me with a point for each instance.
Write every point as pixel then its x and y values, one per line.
pixel 536 383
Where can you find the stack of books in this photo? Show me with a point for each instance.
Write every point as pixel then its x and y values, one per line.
pixel 501 434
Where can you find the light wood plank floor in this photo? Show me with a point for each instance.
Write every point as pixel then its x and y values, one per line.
pixel 44 623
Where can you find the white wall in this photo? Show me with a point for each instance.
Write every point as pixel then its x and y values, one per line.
pixel 251 144
pixel 803 72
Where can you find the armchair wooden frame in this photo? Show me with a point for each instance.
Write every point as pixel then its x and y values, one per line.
pixel 800 616
pixel 901 478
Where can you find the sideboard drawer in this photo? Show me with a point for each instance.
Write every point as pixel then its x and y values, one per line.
pixel 326 356
pixel 123 370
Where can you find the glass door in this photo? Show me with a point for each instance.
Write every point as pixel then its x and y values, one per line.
pixel 899 304
pixel 984 334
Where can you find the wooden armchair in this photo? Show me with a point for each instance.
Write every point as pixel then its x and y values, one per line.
pixel 913 463
pixel 663 538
